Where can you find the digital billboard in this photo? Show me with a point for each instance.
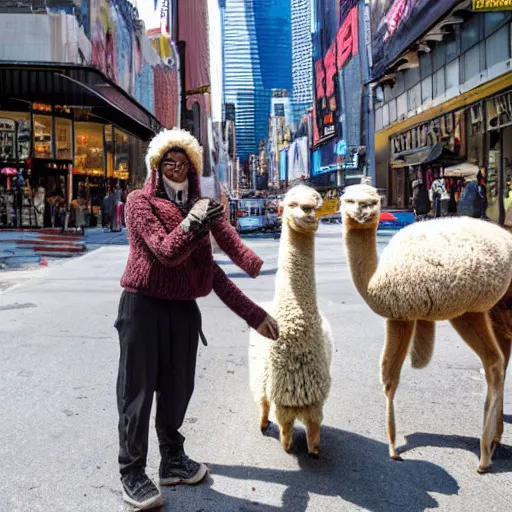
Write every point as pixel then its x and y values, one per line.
pixel 397 24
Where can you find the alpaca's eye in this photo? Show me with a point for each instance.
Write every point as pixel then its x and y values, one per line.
pixel 349 201
pixel 293 205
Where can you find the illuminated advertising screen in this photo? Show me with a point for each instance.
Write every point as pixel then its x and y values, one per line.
pixel 397 24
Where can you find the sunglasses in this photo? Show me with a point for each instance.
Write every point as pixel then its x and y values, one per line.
pixel 174 165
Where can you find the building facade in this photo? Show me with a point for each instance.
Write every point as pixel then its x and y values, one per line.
pixel 302 58
pixel 340 120
pixel 77 104
pixel 444 104
pixel 257 59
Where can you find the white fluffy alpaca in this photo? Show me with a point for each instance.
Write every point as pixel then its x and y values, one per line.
pixel 293 372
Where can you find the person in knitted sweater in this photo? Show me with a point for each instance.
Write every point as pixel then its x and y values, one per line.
pixel 170 265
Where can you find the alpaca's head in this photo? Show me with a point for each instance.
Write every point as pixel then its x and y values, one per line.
pixel 360 207
pixel 299 209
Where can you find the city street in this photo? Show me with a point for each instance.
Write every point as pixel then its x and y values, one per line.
pixel 58 366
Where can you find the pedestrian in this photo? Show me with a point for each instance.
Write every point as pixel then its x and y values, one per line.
pixel 170 265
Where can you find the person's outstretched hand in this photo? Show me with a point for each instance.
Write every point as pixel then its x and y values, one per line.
pixel 204 212
pixel 269 328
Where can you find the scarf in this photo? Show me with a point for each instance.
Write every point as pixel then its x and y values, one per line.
pixel 176 192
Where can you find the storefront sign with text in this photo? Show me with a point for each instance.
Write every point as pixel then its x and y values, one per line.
pixel 492 5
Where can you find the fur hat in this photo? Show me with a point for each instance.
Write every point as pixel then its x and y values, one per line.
pixel 175 138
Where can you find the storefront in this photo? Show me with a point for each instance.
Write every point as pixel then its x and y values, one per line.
pixel 64 155
pixel 468 147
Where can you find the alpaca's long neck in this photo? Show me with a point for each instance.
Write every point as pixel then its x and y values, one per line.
pixel 361 248
pixel 296 285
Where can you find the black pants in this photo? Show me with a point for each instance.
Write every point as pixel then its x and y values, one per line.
pixel 158 348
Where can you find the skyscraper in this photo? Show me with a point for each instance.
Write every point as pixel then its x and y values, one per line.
pixel 302 57
pixel 257 59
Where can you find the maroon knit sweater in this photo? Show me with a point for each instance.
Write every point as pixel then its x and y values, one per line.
pixel 166 263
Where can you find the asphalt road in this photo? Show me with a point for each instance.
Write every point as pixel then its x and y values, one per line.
pixel 58 364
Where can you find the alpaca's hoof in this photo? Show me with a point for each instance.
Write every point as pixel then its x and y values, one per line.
pixel 315 454
pixel 483 469
pixel 264 426
pixel 287 447
pixel 396 457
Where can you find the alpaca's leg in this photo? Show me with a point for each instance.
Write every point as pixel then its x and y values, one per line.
pixel 475 329
pixel 286 418
pixel 398 337
pixel 501 320
pixel 265 410
pixel 422 343
pixel 313 420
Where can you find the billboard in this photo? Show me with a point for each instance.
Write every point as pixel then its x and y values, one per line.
pixel 343 48
pixel 492 5
pixel 397 24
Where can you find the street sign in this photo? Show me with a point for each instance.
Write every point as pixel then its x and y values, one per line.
pixel 341 148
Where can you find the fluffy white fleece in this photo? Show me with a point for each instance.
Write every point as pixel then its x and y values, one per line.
pixel 294 370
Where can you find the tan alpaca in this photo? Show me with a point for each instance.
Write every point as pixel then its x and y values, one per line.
pixel 293 372
pixel 455 269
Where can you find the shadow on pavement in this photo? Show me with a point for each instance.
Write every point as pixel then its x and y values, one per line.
pixel 501 458
pixel 353 467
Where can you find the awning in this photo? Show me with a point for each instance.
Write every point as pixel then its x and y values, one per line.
pixel 435 154
pixel 76 86
pixel 463 170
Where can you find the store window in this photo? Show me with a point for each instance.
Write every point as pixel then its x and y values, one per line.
pixel 439 56
pixel 109 150
pixel 122 143
pixel 497 48
pixel 14 124
pixel 43 136
pixel 425 64
pixel 89 149
pixel 63 138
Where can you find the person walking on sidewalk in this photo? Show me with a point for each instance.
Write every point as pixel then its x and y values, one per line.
pixel 170 265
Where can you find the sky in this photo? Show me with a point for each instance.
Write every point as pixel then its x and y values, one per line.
pixel 148 13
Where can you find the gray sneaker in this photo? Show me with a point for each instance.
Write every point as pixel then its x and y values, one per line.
pixel 140 491
pixel 181 470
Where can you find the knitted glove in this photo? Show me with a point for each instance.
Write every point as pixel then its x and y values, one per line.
pixel 201 215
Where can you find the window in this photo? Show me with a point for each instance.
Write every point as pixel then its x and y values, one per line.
pixel 279 109
pixel 63 136
pixel 439 84
pixel 439 56
pixel 43 137
pixel 493 20
pixel 426 64
pixel 122 155
pixel 9 123
pixel 401 105
pixel 414 97
pixel 452 75
pixel 388 93
pixel 399 84
pixel 470 33
pixel 378 123
pixel 89 149
pixel 392 111
pixel 426 90
pixel 472 63
pixel 412 77
pixel 109 150
pixel 497 48
pixel 385 115
pixel 451 49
